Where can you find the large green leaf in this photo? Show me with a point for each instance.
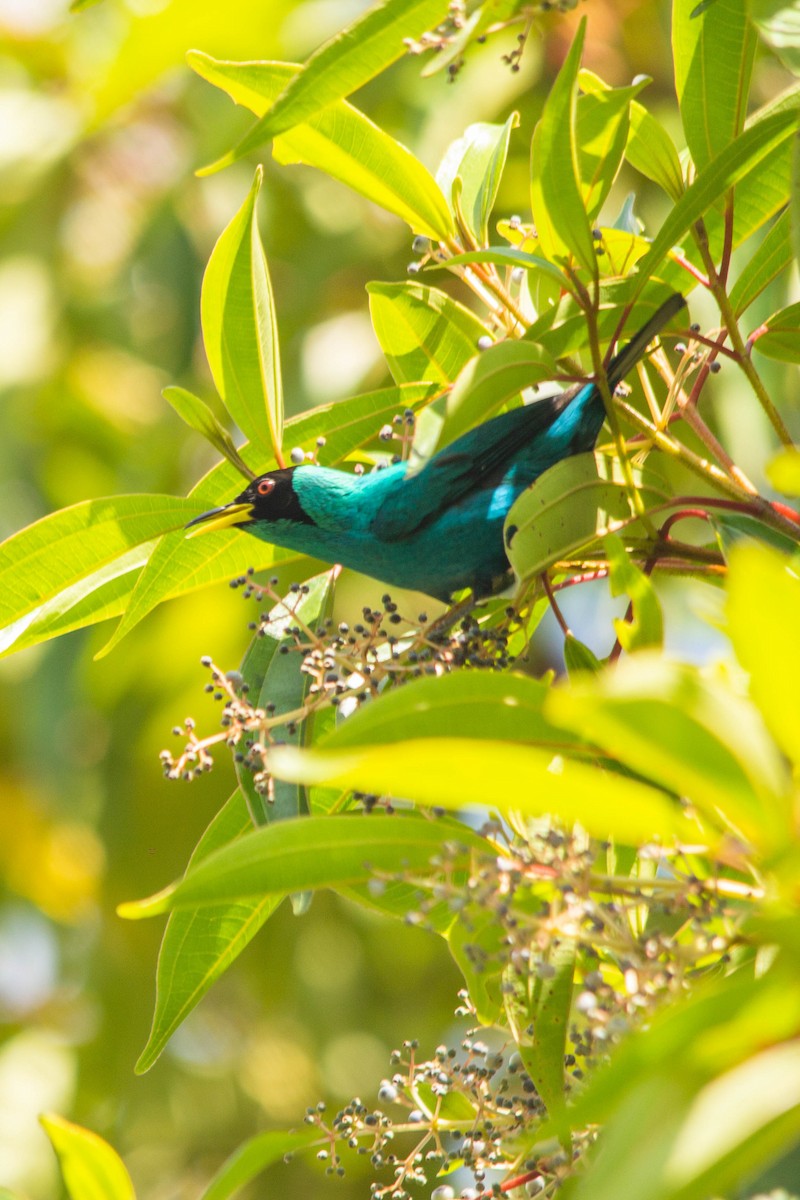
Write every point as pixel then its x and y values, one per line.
pixel 572 505
pixel 341 141
pixel 713 53
pixel 458 773
pixel 80 556
pixel 315 852
pixel 688 734
pixel 652 151
pixel 423 333
pixel 239 329
pixel 199 945
pixel 344 63
pixel 91 1170
pixel 559 213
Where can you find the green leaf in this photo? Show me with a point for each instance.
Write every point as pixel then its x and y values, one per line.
pixel 686 733
pixel 506 256
pixel 300 855
pixel 199 945
pixel 423 333
pixel 782 340
pixel 47 569
pixel 652 151
pixel 477 159
pixel 198 416
pixel 340 141
pixel 467 704
pixel 579 657
pixel 91 1170
pixel 778 24
pixel 572 505
pixel 489 381
pixel 763 594
pixel 601 133
pixel 646 629
pixel 344 63
pixel 458 772
pixel 80 5
pixel 239 329
pixel 254 1156
pixel 543 1001
pixel 713 56
pixel 559 214
pixel 733 165
pixel 772 257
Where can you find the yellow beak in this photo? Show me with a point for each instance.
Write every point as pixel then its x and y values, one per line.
pixel 220 518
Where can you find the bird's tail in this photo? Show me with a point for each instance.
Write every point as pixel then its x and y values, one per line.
pixel 626 359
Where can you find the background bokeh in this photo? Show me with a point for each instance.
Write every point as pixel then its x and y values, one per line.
pixel 104 233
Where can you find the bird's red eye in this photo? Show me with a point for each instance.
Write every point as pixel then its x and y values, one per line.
pixel 265 487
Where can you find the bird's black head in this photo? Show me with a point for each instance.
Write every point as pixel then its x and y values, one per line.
pixel 270 497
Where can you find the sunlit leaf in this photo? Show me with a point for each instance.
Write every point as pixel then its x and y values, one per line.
pixel 341 141
pixel 90 1169
pixel 687 733
pixel 559 213
pixel 457 773
pixel 601 131
pixel 713 56
pixel 778 24
pixel 423 333
pixel 348 60
pixel 477 159
pixel 239 328
pixel 45 568
pixel 198 416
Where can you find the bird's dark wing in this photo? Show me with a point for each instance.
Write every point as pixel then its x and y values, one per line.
pixel 476 460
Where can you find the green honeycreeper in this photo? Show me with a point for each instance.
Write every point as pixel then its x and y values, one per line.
pixel 441 529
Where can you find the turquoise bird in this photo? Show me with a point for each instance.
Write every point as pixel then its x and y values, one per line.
pixel 440 529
